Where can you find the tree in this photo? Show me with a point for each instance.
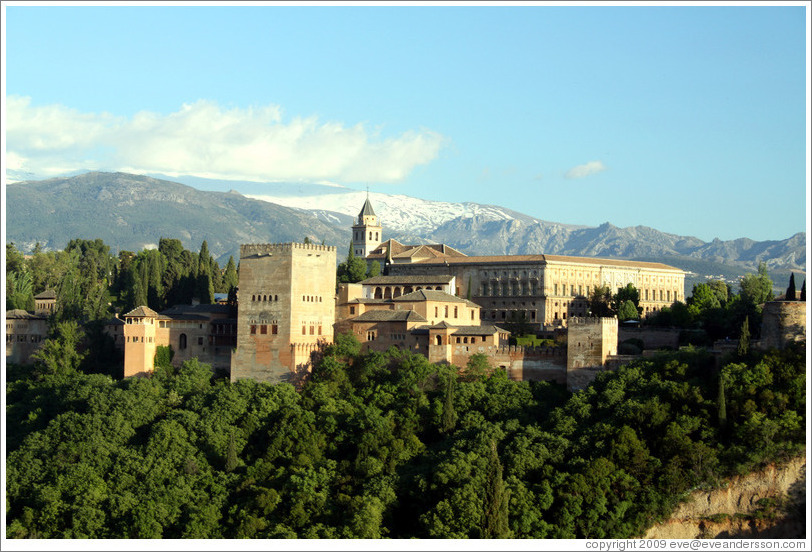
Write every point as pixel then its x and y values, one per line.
pixel 449 414
pixel 803 291
pixel 628 293
pixel 744 338
pixel 374 269
pixel 627 311
pixel 600 301
pixel 756 289
pixel 495 516
pixel 205 284
pixel 352 270
pixel 230 278
pixel 720 401
pixel 790 294
pixel 60 352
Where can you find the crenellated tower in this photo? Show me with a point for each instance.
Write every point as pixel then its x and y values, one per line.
pixel 366 232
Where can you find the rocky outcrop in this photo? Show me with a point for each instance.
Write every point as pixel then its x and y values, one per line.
pixel 769 503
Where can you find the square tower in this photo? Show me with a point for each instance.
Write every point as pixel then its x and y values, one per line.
pixel 286 309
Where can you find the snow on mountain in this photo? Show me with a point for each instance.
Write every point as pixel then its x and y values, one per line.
pixel 399 213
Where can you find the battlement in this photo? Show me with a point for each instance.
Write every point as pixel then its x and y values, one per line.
pixel 261 249
pixel 581 320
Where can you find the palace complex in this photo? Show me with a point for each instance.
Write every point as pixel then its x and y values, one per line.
pixel 431 299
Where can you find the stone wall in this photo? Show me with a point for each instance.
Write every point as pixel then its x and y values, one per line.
pixel 652 338
pixel 589 343
pixel 783 322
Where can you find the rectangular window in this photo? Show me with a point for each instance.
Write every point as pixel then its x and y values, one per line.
pixel 253 329
pixel 352 310
pixel 274 329
pixel 304 330
pixel 320 330
pixel 312 330
pixel 200 341
pixel 555 289
pixel 263 329
pixel 572 289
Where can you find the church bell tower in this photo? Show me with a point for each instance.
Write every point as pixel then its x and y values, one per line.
pixel 366 232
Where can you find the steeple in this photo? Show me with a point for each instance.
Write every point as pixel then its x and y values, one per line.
pixel 366 232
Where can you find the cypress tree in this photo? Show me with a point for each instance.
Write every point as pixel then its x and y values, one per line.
pixel 230 278
pixel 720 402
pixel 790 294
pixel 803 291
pixel 744 338
pixel 495 516
pixel 449 413
pixel 231 454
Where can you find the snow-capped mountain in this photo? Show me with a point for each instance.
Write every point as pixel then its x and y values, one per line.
pixel 398 213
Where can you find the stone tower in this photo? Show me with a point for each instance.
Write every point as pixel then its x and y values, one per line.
pixel 140 332
pixel 366 232
pixel 286 309
pixel 589 342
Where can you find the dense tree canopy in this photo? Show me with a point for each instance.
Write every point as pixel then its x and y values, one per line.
pixel 385 445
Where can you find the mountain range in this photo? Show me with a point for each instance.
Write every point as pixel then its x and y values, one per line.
pixel 130 212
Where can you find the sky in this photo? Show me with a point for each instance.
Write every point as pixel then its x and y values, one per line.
pixel 691 119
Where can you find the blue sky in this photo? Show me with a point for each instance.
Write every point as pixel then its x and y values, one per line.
pixel 691 120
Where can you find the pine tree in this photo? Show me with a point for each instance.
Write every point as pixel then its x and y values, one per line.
pixel 790 294
pixel 744 338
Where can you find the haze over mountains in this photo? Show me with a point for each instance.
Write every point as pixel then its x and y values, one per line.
pixel 130 212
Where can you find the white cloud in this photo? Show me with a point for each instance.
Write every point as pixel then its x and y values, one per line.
pixel 586 169
pixel 203 139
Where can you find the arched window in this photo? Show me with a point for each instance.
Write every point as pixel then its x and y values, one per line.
pixel 439 340
pixel 182 341
pixel 378 293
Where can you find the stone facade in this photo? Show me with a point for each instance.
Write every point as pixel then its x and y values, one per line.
pixel 286 309
pixel 782 322
pixel 45 302
pixel 25 334
pixel 547 290
pixel 590 341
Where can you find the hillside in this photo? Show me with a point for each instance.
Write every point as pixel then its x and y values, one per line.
pixel 130 212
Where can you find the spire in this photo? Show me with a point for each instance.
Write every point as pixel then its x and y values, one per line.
pixel 366 211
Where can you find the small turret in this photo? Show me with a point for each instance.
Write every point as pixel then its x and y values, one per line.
pixel 366 233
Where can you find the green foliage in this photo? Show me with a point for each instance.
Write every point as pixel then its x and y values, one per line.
pixel 352 270
pixel 374 269
pixel 384 445
pixel 744 339
pixel 627 311
pixel 600 301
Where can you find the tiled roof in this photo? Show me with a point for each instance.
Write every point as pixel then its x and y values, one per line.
pixel 610 262
pixel 407 280
pixel 389 316
pixel 478 330
pixel 114 322
pixel 20 314
pixel 502 259
pixel 142 312
pixel 47 294
pixel 434 295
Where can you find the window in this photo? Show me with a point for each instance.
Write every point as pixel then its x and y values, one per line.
pixel 320 330
pixel 352 310
pixel 436 311
pixel 199 340
pixel 455 312
pixel 446 311
pixel 312 330
pixel 253 329
pixel 182 339
pixel 304 330
pixel 263 329
pixel 274 329
pixel 555 289
pixel 458 340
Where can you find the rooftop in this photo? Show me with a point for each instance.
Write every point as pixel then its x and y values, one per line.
pixel 407 280
pixel 433 295
pixel 389 316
